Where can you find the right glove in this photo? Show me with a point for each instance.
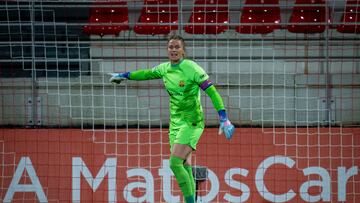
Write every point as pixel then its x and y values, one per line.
pixel 117 78
pixel 225 125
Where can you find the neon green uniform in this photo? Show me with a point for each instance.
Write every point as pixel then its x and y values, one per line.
pixel 182 83
pixel 186 115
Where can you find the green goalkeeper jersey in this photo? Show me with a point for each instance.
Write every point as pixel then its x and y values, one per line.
pixel 182 82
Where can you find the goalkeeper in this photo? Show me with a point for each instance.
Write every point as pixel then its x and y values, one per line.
pixel 183 79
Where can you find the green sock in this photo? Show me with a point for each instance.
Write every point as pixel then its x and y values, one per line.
pixel 190 199
pixel 192 180
pixel 182 178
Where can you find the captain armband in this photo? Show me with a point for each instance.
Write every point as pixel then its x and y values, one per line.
pixel 205 84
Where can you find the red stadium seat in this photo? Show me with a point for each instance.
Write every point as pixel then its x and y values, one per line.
pixel 268 15
pixel 304 18
pixel 108 18
pixel 350 15
pixel 208 17
pixel 158 17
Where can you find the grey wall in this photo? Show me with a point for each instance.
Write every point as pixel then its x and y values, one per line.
pixel 274 80
pixel 279 79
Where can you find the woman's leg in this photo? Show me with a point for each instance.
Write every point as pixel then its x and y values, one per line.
pixel 179 156
pixel 188 168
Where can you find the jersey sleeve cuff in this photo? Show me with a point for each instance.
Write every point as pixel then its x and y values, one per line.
pixel 127 75
pixel 222 115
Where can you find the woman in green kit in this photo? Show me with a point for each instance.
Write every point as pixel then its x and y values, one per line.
pixel 183 79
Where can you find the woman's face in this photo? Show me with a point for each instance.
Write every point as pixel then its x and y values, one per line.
pixel 175 50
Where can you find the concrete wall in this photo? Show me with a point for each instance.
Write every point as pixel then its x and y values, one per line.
pixel 280 79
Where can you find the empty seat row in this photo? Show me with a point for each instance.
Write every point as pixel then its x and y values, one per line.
pixel 102 17
pixel 212 17
pixel 350 17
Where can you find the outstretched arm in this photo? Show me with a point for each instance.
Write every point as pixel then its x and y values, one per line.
pixel 145 74
pixel 225 125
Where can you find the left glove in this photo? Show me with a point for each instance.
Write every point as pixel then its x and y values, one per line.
pixel 117 78
pixel 225 125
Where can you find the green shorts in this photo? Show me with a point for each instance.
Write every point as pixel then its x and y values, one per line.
pixel 186 134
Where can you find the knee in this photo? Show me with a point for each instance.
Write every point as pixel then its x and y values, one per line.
pixel 175 163
pixel 187 162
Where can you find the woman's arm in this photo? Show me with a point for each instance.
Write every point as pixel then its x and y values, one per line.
pixel 225 125
pixel 145 74
pixel 215 98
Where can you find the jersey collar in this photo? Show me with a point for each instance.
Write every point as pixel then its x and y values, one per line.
pixel 174 65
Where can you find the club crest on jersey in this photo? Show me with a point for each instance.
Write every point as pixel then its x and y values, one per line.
pixel 181 84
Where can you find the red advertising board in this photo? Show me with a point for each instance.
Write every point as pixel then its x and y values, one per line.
pixel 257 165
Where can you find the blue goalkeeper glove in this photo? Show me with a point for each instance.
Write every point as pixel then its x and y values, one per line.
pixel 117 78
pixel 225 125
